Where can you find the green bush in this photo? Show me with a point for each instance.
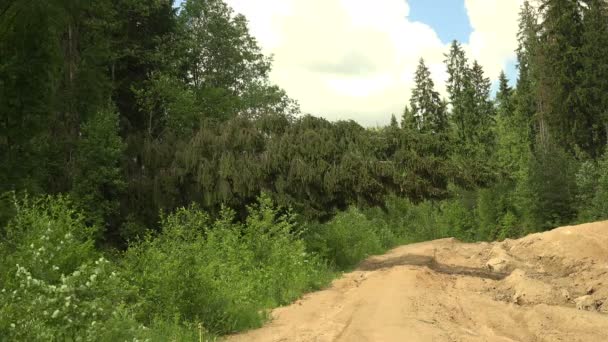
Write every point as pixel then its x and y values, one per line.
pixel 592 190
pixel 55 285
pixel 222 274
pixel 347 239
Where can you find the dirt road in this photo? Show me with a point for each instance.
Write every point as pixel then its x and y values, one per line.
pixel 545 287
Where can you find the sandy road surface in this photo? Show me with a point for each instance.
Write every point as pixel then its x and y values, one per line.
pixel 545 287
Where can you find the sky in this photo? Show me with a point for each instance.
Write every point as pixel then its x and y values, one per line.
pixel 355 59
pixel 448 18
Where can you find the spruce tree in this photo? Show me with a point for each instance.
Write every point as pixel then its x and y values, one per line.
pixel 427 109
pixel 482 119
pixel 394 123
pixel 459 90
pixel 559 101
pixel 512 132
pixel 594 79
pixel 528 60
pixel 504 97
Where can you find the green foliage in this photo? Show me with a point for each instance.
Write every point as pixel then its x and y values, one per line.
pixel 135 108
pixel 428 112
pixel 347 239
pixel 221 273
pixel 593 89
pixel 600 200
pixel 550 189
pixel 457 220
pixel 561 116
pixel 97 180
pixel 459 87
pixel 592 186
pixel 48 237
pixel 497 213
pixel 55 285
pixel 472 114
pixel 149 109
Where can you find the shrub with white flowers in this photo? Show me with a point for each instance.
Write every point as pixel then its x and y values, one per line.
pixel 55 286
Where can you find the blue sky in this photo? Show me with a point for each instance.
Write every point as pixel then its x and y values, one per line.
pixel 450 20
pixel 447 17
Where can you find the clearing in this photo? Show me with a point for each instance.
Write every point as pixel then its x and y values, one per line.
pixel 549 286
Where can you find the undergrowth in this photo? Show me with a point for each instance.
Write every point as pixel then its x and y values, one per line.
pixel 196 277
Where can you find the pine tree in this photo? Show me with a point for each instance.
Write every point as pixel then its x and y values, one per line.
pixel 459 90
pixel 408 120
pixel 559 103
pixel 427 109
pixel 482 119
pixel 394 123
pixel 594 81
pixel 512 132
pixel 504 97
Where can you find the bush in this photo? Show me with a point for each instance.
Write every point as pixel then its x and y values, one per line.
pixel 347 239
pixel 222 274
pixel 551 189
pixel 592 190
pixel 55 286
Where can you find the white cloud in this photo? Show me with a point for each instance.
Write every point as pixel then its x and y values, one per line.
pixel 494 37
pixel 355 59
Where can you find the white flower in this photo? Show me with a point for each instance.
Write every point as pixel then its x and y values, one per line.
pixel 55 314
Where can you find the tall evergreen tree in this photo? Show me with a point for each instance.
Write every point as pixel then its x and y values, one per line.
pixel 483 116
pixel 472 109
pixel 512 132
pixel 427 109
pixel 559 102
pixel 504 97
pixel 528 60
pixel 459 90
pixel 594 77
pixel 394 123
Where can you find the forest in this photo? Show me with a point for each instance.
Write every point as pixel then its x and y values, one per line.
pixel 155 185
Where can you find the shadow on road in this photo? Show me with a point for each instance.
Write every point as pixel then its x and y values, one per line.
pixel 431 263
